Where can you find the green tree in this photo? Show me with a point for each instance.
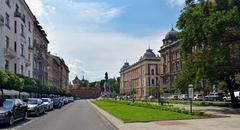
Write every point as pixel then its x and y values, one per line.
pixel 4 77
pixel 210 36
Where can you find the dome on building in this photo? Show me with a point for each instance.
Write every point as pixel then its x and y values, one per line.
pixel 149 54
pixel 126 65
pixel 171 35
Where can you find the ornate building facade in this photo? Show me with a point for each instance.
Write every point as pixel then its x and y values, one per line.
pixel 170 59
pixel 141 76
pixel 40 54
pixel 58 72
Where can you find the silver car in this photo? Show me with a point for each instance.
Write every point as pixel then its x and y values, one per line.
pixel 48 104
pixel 35 106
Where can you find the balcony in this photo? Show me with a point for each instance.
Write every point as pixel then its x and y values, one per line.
pixel 9 53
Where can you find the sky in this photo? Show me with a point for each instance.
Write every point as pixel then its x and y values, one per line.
pixel 98 36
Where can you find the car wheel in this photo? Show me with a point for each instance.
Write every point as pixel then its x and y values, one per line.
pixel 37 113
pixel 25 116
pixel 11 120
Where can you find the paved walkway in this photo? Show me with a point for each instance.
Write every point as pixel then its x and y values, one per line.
pixel 227 123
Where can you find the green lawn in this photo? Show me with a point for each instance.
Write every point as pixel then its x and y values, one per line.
pixel 129 113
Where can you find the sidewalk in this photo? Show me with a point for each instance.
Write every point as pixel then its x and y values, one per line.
pixel 228 123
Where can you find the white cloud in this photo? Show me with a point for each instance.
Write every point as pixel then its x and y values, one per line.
pixel 97 12
pixel 77 67
pixel 51 9
pixel 176 2
pixel 101 52
pixel 36 7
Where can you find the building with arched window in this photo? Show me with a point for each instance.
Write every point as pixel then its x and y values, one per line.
pixel 141 76
pixel 170 60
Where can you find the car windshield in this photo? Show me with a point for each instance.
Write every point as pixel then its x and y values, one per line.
pixel 8 104
pixel 31 101
pixel 45 100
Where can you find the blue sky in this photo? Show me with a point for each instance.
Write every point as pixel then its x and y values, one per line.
pixel 95 36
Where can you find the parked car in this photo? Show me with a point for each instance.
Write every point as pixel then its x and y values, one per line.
pixel 151 97
pixel 12 110
pixel 62 101
pixel 173 97
pixel 65 100
pixel 227 98
pixel 35 106
pixel 48 103
pixel 214 97
pixel 71 99
pixel 57 103
pixel 198 97
pixel 183 97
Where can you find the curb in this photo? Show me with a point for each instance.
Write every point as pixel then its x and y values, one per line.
pixel 103 116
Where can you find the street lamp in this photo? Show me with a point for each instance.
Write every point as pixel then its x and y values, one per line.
pixel 190 95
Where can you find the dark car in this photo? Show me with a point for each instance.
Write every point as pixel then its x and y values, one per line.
pixel 57 103
pixel 35 106
pixel 12 110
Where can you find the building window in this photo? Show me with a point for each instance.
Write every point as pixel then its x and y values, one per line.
pixel 29 41
pixel 22 69
pixel 152 71
pixel 6 65
pixel 22 30
pixel 15 68
pixel 29 57
pixel 22 50
pixel 7 20
pixel 8 3
pixel 15 26
pixel 153 82
pixel 7 41
pixel 17 9
pixel 29 26
pixel 15 46
pixel 29 73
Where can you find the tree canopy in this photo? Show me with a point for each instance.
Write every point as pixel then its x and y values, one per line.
pixel 210 43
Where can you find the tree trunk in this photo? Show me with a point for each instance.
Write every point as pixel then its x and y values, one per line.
pixel 234 100
pixel 19 94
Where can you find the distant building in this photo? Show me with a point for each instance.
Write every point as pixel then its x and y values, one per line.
pixel 170 60
pixel 141 76
pixel 58 72
pixel 80 89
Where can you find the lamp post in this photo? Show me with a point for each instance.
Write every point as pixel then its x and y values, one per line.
pixel 190 94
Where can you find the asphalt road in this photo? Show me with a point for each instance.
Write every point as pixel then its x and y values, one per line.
pixel 79 115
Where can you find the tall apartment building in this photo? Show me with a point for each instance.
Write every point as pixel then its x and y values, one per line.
pixel 16 36
pixel 141 76
pixel 170 60
pixel 40 54
pixel 58 72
